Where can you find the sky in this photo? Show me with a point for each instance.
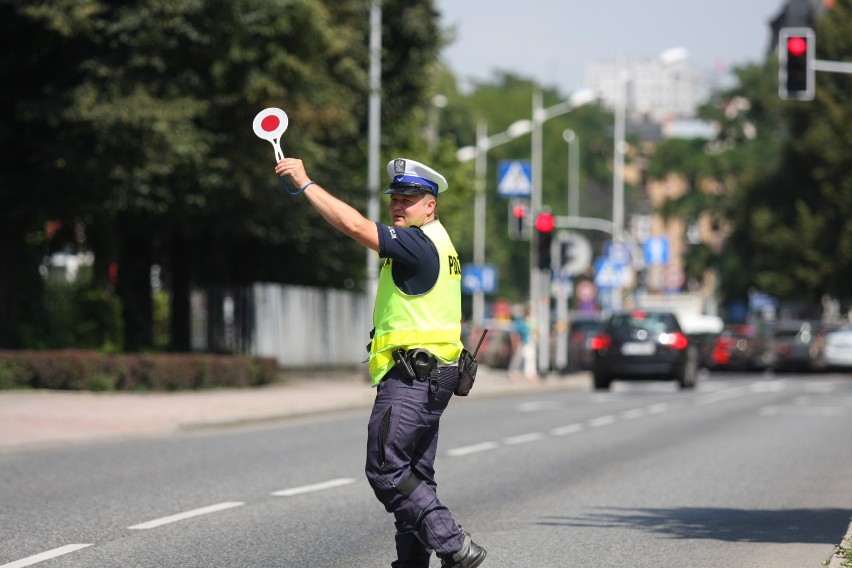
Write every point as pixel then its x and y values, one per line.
pixel 551 41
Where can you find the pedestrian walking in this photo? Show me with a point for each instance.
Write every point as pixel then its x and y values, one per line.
pixel 523 348
pixel 414 352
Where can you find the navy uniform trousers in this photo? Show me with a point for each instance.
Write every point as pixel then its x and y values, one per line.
pixel 401 446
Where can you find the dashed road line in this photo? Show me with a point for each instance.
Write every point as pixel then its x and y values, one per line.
pixel 720 395
pixel 602 421
pixel 633 414
pixel 473 449
pixel 827 411
pixel 187 515
pixel 523 439
pixel 35 559
pixel 330 484
pixel 565 430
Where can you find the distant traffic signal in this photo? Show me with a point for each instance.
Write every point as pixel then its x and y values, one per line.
pixel 518 224
pixel 796 64
pixel 544 225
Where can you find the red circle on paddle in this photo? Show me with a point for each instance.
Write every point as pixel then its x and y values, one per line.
pixel 270 123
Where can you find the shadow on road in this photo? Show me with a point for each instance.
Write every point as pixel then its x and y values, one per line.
pixel 814 526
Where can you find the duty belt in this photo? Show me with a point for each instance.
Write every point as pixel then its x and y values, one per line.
pixel 421 365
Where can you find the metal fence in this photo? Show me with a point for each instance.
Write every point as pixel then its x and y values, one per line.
pixel 309 327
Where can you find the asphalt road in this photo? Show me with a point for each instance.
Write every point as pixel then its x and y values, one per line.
pixel 743 471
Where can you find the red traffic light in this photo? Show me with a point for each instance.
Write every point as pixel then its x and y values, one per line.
pixel 544 223
pixel 797 46
pixel 519 211
pixel 796 64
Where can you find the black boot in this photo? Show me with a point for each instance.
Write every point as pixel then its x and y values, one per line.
pixel 471 555
pixel 410 552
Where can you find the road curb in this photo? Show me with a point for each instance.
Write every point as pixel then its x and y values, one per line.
pixel 846 541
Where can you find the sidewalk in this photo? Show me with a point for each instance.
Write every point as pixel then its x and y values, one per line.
pixel 43 418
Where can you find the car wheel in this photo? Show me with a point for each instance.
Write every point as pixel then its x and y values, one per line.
pixel 688 374
pixel 602 381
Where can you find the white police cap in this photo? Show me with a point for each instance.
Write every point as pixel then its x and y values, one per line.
pixel 409 178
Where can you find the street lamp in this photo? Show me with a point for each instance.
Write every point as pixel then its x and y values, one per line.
pixel 438 103
pixel 573 171
pixel 541 308
pixel 374 139
pixel 623 76
pixel 484 143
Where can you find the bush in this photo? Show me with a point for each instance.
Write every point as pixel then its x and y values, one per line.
pixel 90 370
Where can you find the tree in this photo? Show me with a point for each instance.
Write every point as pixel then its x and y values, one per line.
pixel 721 174
pixel 146 109
pixel 795 222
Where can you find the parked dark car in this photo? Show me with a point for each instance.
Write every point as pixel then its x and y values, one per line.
pixel 582 331
pixel 643 345
pixel 791 345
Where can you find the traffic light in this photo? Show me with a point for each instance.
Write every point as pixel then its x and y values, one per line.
pixel 544 224
pixel 796 64
pixel 518 226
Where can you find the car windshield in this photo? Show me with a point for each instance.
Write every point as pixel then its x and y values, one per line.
pixel 627 326
pixel 787 333
pixel 585 326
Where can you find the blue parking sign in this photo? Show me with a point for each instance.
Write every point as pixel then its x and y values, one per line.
pixel 479 278
pixel 656 250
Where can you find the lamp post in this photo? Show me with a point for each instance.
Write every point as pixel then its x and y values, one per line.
pixel 373 139
pixel 438 103
pixel 539 294
pixel 479 152
pixel 623 76
pixel 573 171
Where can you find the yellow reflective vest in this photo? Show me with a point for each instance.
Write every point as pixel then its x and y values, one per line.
pixel 431 320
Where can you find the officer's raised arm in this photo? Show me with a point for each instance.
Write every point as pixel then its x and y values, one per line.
pixel 339 214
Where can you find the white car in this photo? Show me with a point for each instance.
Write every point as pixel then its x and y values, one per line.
pixel 837 351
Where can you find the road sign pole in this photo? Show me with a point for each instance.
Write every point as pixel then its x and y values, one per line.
pixel 479 219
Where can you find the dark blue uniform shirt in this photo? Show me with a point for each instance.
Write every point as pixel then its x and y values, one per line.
pixel 416 264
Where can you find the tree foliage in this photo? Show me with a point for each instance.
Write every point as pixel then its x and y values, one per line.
pixel 135 117
pixel 794 224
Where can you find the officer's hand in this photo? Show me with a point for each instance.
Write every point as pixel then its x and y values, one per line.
pixel 294 168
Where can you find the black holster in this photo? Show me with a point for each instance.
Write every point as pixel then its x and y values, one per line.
pixel 417 364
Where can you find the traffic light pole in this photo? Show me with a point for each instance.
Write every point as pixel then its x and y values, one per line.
pixel 539 299
pixel 833 66
pixel 540 279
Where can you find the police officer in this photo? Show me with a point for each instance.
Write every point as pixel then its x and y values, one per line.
pixel 413 353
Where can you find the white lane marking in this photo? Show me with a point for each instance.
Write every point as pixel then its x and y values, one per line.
pixel 807 400
pixel 658 408
pixel 602 421
pixel 565 430
pixel 330 484
pixel 35 559
pixel 824 388
pixel 633 414
pixel 523 438
pixel 722 395
pixel 466 450
pixel 187 515
pixel 803 411
pixel 768 386
pixel 536 405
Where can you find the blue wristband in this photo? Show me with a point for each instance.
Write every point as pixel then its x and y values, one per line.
pixel 287 186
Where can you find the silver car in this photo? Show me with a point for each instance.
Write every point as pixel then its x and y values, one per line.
pixel 837 350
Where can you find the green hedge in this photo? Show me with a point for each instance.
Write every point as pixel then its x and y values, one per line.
pixel 74 369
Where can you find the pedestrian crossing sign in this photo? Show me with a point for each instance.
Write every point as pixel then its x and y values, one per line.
pixel 514 178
